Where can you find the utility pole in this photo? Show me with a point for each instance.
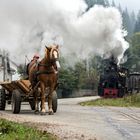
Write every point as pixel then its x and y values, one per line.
pixel 4 66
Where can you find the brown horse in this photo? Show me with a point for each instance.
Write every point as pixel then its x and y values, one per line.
pixel 45 74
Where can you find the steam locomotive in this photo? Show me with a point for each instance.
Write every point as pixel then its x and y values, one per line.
pixel 116 81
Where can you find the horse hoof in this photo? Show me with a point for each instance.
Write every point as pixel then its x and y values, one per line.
pixel 43 113
pixel 51 113
pixel 36 112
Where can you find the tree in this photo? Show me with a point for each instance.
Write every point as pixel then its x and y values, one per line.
pixel 127 22
pixel 120 8
pixel 133 21
pixel 67 79
pixel 133 53
pixel 137 26
pixel 113 3
pixel 91 3
pixel 80 73
pixel 107 3
pixel 80 76
pixel 101 2
pixel 136 44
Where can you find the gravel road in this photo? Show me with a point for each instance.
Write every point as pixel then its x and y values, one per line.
pixel 75 122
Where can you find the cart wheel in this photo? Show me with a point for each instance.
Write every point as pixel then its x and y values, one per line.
pixel 16 101
pixel 32 104
pixel 54 101
pixel 2 99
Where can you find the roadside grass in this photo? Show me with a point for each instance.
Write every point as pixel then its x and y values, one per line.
pixel 14 131
pixel 127 101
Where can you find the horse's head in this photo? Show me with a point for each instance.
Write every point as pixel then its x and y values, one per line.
pixel 52 53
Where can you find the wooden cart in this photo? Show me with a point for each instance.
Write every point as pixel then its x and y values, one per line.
pixel 19 91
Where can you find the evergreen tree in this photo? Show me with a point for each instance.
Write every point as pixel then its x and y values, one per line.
pixel 120 8
pixel 136 51
pixel 90 3
pixel 107 3
pixel 133 53
pixel 133 21
pixel 113 3
pixel 101 2
pixel 127 22
pixel 136 44
pixel 137 26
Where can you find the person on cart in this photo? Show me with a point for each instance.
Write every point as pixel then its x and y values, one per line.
pixel 34 61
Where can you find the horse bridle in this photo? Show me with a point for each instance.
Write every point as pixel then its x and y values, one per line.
pixel 51 63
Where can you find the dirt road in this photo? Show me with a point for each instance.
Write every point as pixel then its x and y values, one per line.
pixel 74 122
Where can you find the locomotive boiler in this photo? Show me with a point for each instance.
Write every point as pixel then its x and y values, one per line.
pixel 113 80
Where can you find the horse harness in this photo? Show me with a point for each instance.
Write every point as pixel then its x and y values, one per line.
pixel 50 69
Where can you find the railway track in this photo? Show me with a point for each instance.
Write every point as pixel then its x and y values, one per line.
pixel 131 116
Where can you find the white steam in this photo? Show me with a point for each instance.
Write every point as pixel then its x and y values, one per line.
pixel 27 26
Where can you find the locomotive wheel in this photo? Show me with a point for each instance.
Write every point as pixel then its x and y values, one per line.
pixel 32 104
pixel 16 101
pixel 54 101
pixel 2 99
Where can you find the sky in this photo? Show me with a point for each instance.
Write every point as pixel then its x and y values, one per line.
pixel 132 5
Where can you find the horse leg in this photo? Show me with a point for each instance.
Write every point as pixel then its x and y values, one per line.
pixel 36 103
pixel 43 110
pixel 50 101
